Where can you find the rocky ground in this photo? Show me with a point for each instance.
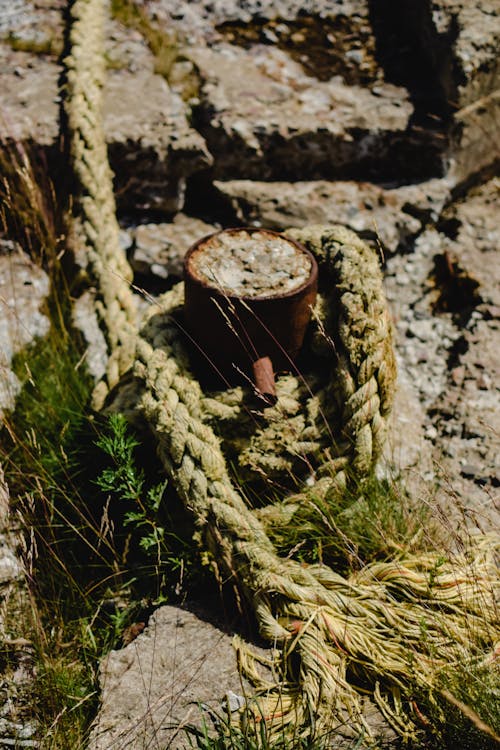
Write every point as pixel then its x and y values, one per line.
pixel 275 113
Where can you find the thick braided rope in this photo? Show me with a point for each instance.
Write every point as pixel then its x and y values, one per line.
pixel 344 405
pixel 332 624
pixel 94 232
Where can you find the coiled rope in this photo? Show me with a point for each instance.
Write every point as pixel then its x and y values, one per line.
pixel 385 631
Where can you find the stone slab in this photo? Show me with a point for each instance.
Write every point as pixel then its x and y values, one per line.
pixel 158 249
pixel 152 148
pixel 154 685
pixel 389 216
pixel 273 121
pixel 23 289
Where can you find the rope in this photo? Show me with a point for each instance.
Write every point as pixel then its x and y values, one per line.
pixel 381 633
pixel 93 232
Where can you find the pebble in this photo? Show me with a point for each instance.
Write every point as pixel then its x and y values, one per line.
pixel 484 382
pixel 431 433
pixel 234 702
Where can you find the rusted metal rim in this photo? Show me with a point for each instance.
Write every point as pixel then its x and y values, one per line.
pixel 296 292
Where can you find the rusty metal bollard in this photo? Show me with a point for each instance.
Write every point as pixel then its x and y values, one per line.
pixel 248 299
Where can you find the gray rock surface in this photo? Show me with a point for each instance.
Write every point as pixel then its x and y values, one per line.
pixel 158 249
pixel 445 300
pixel 273 121
pixel 23 289
pixel 392 217
pixel 152 147
pixel 154 685
pixel 17 727
pixel 38 21
pixel 451 43
pixel 29 98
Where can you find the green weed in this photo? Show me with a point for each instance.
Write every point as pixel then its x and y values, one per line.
pixel 222 734
pixel 466 712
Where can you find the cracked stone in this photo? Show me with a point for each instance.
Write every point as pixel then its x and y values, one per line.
pixel 23 289
pixel 390 216
pixel 159 249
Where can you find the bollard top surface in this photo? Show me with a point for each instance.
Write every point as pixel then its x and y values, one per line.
pixel 250 263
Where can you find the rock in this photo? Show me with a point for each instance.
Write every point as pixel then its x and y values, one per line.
pixel 30 106
pixel 454 45
pixel 475 237
pixel 17 671
pixel 392 216
pixel 23 289
pixel 85 320
pixel 160 682
pixel 11 568
pixel 33 22
pixel 469 68
pixel 159 249
pixel 126 48
pixel 452 352
pixel 273 121
pixel 474 138
pixel 201 18
pixel 377 49
pixel 152 148
pixel 155 684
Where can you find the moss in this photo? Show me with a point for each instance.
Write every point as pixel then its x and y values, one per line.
pixel 163 45
pixel 49 46
pixel 170 62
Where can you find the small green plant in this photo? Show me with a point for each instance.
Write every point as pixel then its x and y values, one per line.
pixel 127 482
pixel 147 511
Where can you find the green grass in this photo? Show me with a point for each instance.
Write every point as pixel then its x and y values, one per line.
pixel 374 519
pixel 88 575
pixel 467 710
pixel 101 551
pixel 224 736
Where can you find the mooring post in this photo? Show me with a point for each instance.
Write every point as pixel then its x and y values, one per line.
pixel 248 299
